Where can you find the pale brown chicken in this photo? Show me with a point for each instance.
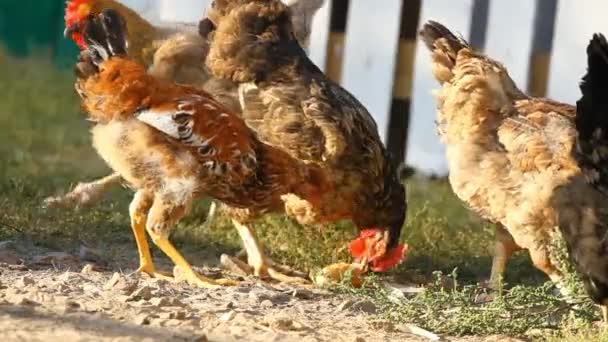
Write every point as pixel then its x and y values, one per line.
pixel 174 52
pixel 507 152
pixel 292 106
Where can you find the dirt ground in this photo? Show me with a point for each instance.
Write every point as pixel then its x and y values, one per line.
pixel 49 295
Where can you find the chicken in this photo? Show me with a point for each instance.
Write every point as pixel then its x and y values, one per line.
pixel 293 107
pixel 174 143
pixel 584 198
pixel 507 152
pixel 175 52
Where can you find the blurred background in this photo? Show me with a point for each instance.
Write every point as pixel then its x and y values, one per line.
pixel 370 48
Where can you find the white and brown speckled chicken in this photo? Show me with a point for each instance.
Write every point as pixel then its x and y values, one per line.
pixel 507 152
pixel 174 143
pixel 174 52
pixel 583 200
pixel 292 106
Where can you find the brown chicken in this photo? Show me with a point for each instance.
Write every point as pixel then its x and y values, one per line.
pixel 583 200
pixel 293 107
pixel 507 152
pixel 175 52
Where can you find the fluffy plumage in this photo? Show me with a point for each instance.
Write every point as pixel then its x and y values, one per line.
pixel 507 152
pixel 292 106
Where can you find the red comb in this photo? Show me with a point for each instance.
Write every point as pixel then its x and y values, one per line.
pixel 71 11
pixel 391 259
pixel 72 17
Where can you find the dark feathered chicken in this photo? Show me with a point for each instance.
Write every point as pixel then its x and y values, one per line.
pixel 584 199
pixel 292 106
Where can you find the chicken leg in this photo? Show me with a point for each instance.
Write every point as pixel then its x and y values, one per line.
pixel 84 194
pixel 160 218
pixel 260 265
pixel 504 248
pixel 141 203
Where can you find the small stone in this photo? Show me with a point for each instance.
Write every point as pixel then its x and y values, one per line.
pixel 179 315
pixel 365 306
pixel 346 305
pixel 359 339
pixel 113 281
pixel 230 305
pixel 228 316
pixel 280 298
pixel 25 281
pixel 258 296
pixel 144 293
pixel 66 305
pixel 303 294
pixel 160 302
pixel 202 338
pixel 118 282
pixel 26 302
pixel 142 319
pixel 88 268
pixel 266 304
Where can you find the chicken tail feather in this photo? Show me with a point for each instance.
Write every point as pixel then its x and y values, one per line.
pixel 444 46
pixel 432 32
pixel 592 115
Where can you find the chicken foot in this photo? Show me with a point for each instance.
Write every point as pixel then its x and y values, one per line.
pixel 159 219
pixel 84 194
pixel 257 262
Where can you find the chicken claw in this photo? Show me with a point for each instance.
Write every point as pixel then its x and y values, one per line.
pixel 257 262
pixel 266 269
pixel 84 194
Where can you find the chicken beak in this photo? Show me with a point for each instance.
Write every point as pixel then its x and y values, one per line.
pixel 71 29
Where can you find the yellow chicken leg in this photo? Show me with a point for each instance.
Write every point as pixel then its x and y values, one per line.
pixel 138 209
pixel 258 263
pixel 159 218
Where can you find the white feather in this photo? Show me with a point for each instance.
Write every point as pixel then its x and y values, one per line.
pixel 162 121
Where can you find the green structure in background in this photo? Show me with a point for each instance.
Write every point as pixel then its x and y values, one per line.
pixel 34 26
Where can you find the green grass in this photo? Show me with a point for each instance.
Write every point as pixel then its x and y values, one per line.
pixel 45 148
